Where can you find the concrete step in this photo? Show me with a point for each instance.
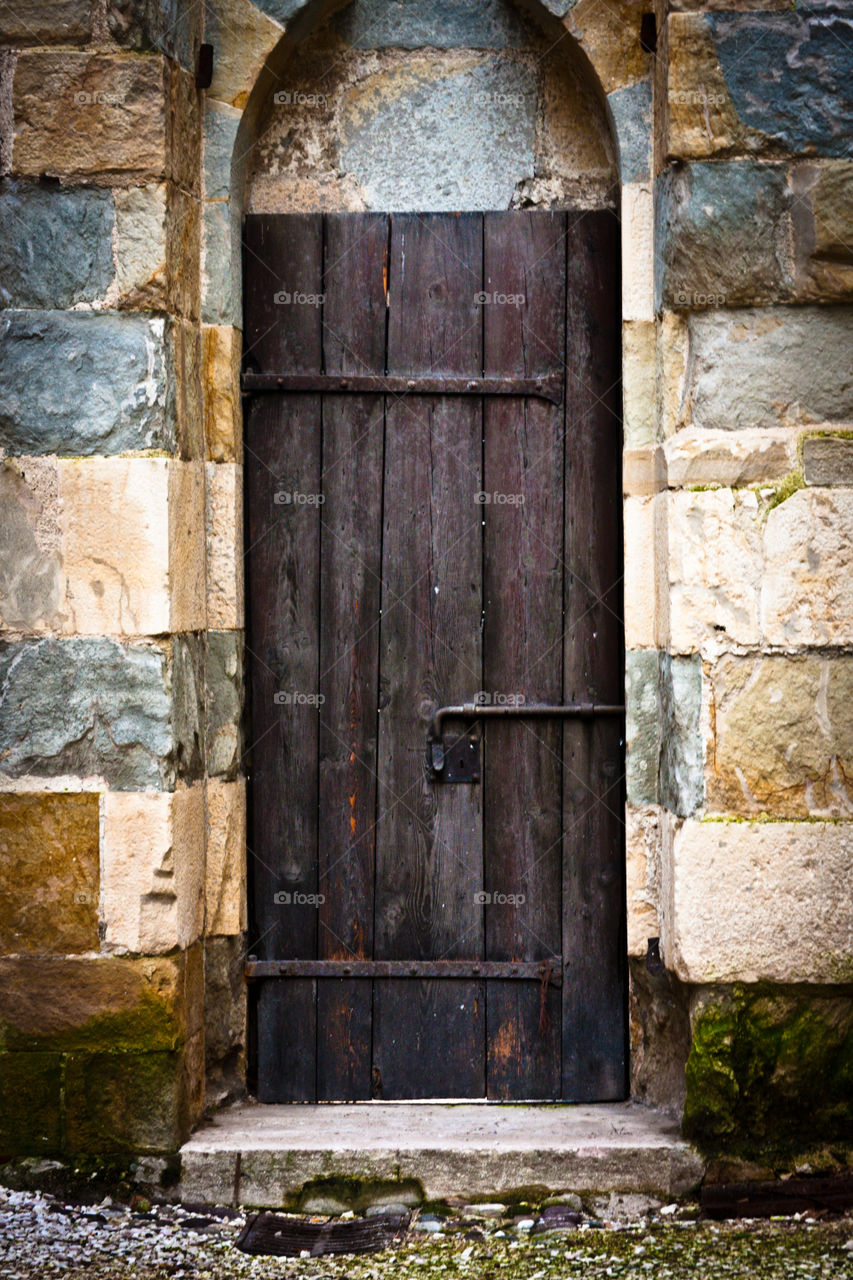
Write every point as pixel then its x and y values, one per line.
pixel 265 1156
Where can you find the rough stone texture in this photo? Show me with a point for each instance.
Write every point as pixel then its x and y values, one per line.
pixel 823 222
pixel 682 783
pixel 26 22
pixel 114 394
pixel 413 24
pixel 184 340
pixel 715 567
pixel 732 459
pixel 158 247
pixel 164 26
pixel 221 281
pixel 31 1104
pixel 81 115
pixel 769 1071
pixel 768 367
pixel 642 889
pixel 638 383
pixel 645 556
pixel 643 471
pixel 807 587
pixel 86 708
pixel 31 585
pixel 243 38
pixel 659 1027
pixel 672 367
pixel 225 1030
pixel 225 860
pixel 637 221
pixel 224 546
pixel 783 736
pixel 221 351
pixel 609 38
pixel 186 498
pixel 55 244
pixel 188 675
pixel 49 873
pixel 224 702
pixel 631 108
pixel 723 232
pixel 415 139
pixel 220 126
pixel 152 870
pixel 642 726
pixel 828 460
pixel 747 901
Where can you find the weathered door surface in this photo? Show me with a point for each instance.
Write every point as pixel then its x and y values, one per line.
pixel 410 547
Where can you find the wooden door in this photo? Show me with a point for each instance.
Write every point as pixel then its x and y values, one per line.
pixel 426 525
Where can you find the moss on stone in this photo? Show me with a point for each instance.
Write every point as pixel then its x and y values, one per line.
pixel 770 1070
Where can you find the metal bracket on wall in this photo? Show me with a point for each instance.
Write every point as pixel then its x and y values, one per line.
pixel 547 387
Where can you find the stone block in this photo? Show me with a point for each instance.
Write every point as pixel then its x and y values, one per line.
pixel 28 22
pixel 52 1004
pixel 723 234
pixel 184 340
pixel 31 584
pixel 225 895
pixel 807 588
pixel 608 38
pixel 220 126
pixel 55 244
pixel 715 568
pixel 221 352
pixel 782 736
pixel 637 223
pixel 682 783
pixel 672 373
pixel 461 138
pixel 645 556
pixel 224 702
pixel 642 888
pixel 184 142
pixel 639 362
pixel 224 546
pixel 631 110
pixel 124 1102
pixel 643 471
pixel 158 26
pixel 244 37
pixel 828 460
pixel 49 872
pixel 642 726
pixel 225 1018
pixel 412 24
pixel 221 283
pixel 732 459
pixel 188 704
pixel 823 227
pixel 81 383
pixel 86 708
pixel 186 496
pixel 90 115
pixel 152 870
pixel 158 249
pixel 30 1104
pixel 752 901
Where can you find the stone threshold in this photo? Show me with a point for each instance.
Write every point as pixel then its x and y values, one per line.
pixel 265 1156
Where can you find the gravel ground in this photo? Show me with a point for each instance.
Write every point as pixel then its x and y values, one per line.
pixel 41 1237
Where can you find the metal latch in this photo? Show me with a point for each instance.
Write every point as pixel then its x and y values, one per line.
pixel 457 762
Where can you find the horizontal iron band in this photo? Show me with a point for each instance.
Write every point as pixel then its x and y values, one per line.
pixel 531 970
pixel 548 387
pixel 522 710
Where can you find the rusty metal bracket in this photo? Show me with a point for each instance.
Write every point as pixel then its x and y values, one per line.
pixel 542 971
pixel 548 387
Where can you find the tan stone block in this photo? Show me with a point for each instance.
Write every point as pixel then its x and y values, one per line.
pixel 90 115
pixel 609 37
pixel 672 353
pixel 639 365
pixel 49 851
pixel 782 736
pixel 642 854
pixel 638 301
pixel 185 339
pixel 807 591
pixel 221 351
pixel 184 130
pixel 714 568
pixel 645 558
pixel 643 471
pixel 759 901
pixel 225 906
pixel 30 563
pixel 244 39
pixel 701 118
pixel 140 247
pixel 823 223
pixel 152 869
pixel 224 546
pixel 698 456
pixel 186 546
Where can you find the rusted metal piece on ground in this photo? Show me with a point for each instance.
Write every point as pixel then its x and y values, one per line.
pixel 278 1235
pixel 767 1199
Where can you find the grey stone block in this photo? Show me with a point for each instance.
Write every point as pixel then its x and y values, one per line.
pixel 440 24
pixel 188 679
pixel 828 460
pixel 225 1018
pixel 84 383
pixel 173 27
pixel 789 75
pixel 55 244
pixel 461 141
pixel 682 782
pixel 223 737
pixel 723 234
pixel 86 707
pixel 632 116
pixel 32 22
pixel 221 301
pixel 220 132
pixel 642 726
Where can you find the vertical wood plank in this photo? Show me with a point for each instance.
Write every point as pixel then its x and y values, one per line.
pixel 594 997
pixel 351 565
pixel 525 259
pixel 428 1036
pixel 283 456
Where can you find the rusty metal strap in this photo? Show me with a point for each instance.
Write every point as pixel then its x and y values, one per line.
pixel 548 387
pixel 550 970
